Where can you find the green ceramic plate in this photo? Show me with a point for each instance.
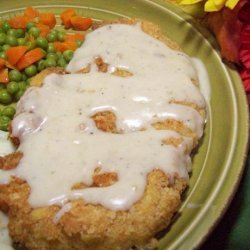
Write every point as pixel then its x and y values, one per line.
pixel 219 161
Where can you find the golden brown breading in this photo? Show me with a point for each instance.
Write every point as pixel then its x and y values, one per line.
pixel 148 27
pixel 104 179
pixel 101 65
pixel 93 227
pixel 105 121
pixel 175 126
pixel 37 80
pixel 10 161
pixel 88 226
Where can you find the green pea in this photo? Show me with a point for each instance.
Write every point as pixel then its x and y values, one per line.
pixel 6 47
pixel 31 45
pixel 50 62
pixel 20 33
pixel 42 42
pixel 12 32
pixel 31 70
pixel 22 85
pixel 19 94
pixel 9 111
pixel 3 55
pixel 59 54
pixel 61 62
pixel 15 75
pixel 34 31
pixel 2 38
pixel 5 26
pixel 5 97
pixel 54 31
pixel 51 48
pixel 60 36
pixel 21 41
pixel 52 56
pixel 52 37
pixel 68 55
pixel 28 81
pixel 11 40
pixel 4 122
pixel 12 87
pixel 41 65
pixel 30 25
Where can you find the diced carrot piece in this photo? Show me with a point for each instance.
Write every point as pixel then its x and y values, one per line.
pixel 70 45
pixel 65 17
pixel 8 65
pixel 62 46
pixel 19 22
pixel 2 63
pixel 44 29
pixel 31 12
pixel 48 19
pixel 59 46
pixel 74 37
pixel 15 53
pixel 4 76
pixel 30 57
pixel 80 23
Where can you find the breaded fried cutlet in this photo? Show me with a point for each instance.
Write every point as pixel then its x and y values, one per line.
pixel 83 225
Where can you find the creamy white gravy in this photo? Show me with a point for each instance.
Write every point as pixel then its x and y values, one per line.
pixel 203 79
pixel 6 147
pixel 5 241
pixel 61 144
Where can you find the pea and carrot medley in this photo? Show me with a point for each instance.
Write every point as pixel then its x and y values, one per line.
pixel 30 43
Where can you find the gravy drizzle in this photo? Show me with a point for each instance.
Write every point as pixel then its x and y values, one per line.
pixel 59 139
